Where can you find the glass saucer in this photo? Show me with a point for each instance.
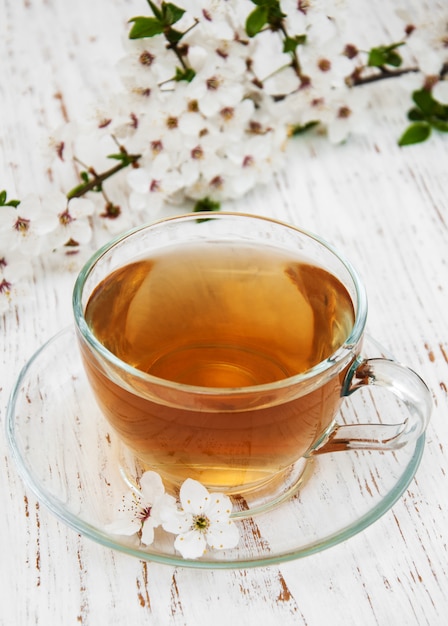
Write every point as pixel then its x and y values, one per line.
pixel 67 454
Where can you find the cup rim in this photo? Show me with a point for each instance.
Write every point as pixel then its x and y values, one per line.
pixel 340 356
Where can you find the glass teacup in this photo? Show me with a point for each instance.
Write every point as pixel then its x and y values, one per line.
pixel 219 347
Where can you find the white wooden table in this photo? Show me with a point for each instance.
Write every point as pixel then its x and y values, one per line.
pixel 386 208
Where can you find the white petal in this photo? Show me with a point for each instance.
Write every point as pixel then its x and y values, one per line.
pixel 163 508
pixel 175 521
pixel 219 508
pixel 54 202
pixel 29 244
pixel 190 172
pixel 80 207
pixel 138 201
pixel 209 104
pixel 151 487
pixel 197 55
pixel 139 180
pixel 194 496
pixel 440 91
pixel 80 231
pixel 160 166
pixel 16 269
pixel 191 545
pixel 220 536
pixel 46 224
pixel 147 533
pixel 30 206
pixel 8 216
pixel 191 124
pixel 123 526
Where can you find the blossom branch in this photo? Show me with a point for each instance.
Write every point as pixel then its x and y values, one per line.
pixel 96 181
pixel 235 98
pixel 356 79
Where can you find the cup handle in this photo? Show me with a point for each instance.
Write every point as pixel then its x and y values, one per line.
pixel 405 384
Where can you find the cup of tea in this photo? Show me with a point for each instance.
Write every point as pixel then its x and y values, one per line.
pixel 219 347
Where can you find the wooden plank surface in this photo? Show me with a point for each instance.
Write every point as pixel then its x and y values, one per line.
pixel 385 207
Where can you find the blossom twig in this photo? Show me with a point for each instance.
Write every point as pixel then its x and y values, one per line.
pixel 96 180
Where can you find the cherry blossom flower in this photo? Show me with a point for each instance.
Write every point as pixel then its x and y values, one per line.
pixel 13 268
pixel 346 115
pixel 26 226
pixel 273 69
pixel 213 19
pixel 219 80
pixel 59 144
pixel 140 510
pixel 72 219
pixel 147 64
pixel 296 15
pixel 203 520
pixel 428 42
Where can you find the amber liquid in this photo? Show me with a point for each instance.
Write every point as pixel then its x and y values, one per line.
pixel 219 316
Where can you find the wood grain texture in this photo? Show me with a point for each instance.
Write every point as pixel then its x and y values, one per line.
pixel 386 208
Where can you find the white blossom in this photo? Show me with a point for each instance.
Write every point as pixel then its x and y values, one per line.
pixel 147 63
pixel 72 219
pixel 140 510
pixel 203 520
pixel 13 269
pixel 26 226
pixel 345 115
pixel 428 43
pixel 217 85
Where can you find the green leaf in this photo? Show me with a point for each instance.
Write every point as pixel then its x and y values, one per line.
pixel 257 20
pixel 119 156
pixel 415 115
pixel 171 13
pixel 124 157
pixel 155 10
pixel 428 105
pixel 145 27
pixel 385 55
pixel 439 124
pixel 290 43
pixel 206 204
pixel 4 202
pixel 84 176
pixel 302 128
pixel 415 133
pixel 424 100
pixel 184 74
pixel 376 58
pixel 173 36
pixel 394 59
pixel 73 193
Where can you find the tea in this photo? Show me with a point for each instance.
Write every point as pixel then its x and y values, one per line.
pixel 219 315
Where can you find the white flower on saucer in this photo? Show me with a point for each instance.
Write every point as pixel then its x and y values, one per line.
pixel 204 519
pixel 140 512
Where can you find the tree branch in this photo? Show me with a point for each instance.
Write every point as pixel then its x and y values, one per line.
pixel 98 179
